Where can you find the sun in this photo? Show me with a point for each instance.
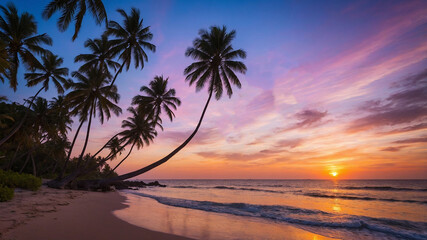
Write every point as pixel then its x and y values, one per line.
pixel 333 174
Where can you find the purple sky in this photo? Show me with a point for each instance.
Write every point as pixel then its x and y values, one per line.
pixel 331 86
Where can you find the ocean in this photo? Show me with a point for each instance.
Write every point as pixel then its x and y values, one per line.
pixel 277 209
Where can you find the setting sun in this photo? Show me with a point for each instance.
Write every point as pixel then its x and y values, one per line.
pixel 333 174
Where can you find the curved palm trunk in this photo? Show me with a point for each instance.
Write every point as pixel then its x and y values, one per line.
pixel 87 136
pixel 117 73
pixel 165 159
pixel 9 166
pixel 19 125
pixel 71 149
pixel 25 163
pixel 122 159
pixel 104 145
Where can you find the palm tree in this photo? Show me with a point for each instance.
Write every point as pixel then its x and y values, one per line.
pixel 68 13
pixel 4 63
pixel 101 56
pixel 131 40
pixel 19 33
pixel 215 63
pixel 60 110
pixel 140 130
pixel 50 70
pixel 92 95
pixel 115 147
pixel 4 118
pixel 157 97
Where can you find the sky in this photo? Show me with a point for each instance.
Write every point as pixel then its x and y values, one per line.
pixel 331 86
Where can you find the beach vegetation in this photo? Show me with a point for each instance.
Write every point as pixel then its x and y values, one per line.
pixel 20 180
pixel 35 135
pixel 6 193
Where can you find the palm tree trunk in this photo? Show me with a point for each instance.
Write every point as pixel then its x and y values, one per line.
pixel 165 159
pixel 34 165
pixel 87 136
pixel 14 157
pixel 117 73
pixel 122 159
pixel 19 125
pixel 25 163
pixel 104 146
pixel 71 149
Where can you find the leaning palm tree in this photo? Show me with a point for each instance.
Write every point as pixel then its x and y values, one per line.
pixel 68 13
pixel 131 40
pixel 101 56
pixel 91 96
pixel 216 64
pixel 19 33
pixel 140 130
pixel 115 147
pixel 158 97
pixel 49 71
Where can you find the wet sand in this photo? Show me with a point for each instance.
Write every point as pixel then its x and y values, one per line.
pixel 67 214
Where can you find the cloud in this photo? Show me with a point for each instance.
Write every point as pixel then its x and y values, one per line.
pixel 416 79
pixel 387 118
pixel 307 118
pixel 408 104
pixel 392 149
pixel 413 140
pixel 261 102
pixel 293 143
pixel 406 129
pixel 232 156
pixel 203 136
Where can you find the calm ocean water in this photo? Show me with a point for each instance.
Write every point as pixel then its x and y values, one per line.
pixel 344 209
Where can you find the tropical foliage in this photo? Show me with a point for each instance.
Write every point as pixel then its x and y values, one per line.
pixel 36 136
pixel 68 13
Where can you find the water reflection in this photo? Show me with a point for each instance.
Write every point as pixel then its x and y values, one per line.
pixel 147 213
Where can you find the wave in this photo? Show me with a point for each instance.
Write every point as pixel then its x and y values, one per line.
pixel 301 216
pixel 249 189
pixel 386 188
pixel 231 188
pixel 322 195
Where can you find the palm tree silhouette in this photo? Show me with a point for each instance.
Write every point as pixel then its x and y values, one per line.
pixel 4 63
pixel 68 13
pixel 215 63
pixel 19 33
pixel 130 40
pixel 101 56
pixel 157 98
pixel 92 96
pixel 140 130
pixel 48 71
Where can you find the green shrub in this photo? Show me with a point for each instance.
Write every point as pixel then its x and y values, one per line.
pixel 6 193
pixel 16 180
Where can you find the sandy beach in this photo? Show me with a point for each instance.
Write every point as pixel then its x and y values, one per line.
pixel 68 214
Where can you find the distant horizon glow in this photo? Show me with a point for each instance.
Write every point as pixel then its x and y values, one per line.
pixel 334 90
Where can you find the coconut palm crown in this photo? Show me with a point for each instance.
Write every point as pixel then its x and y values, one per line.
pixel 101 56
pixel 158 97
pixel 19 34
pixel 68 13
pixel 131 39
pixel 49 70
pixel 216 61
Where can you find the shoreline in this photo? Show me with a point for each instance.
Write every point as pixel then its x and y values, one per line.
pixel 69 214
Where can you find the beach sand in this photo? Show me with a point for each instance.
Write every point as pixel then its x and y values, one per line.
pixel 68 214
